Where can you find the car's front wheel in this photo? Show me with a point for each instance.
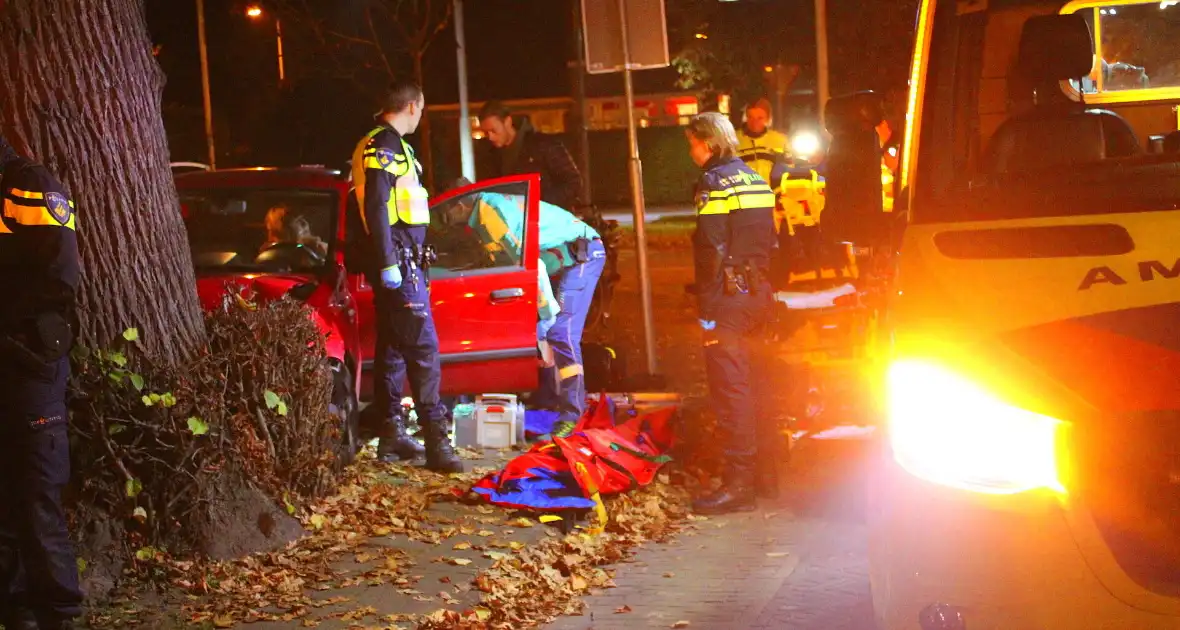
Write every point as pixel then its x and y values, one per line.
pixel 346 408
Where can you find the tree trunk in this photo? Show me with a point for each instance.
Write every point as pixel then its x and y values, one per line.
pixel 424 130
pixel 80 92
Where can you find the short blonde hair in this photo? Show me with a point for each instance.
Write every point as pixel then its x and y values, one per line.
pixel 715 130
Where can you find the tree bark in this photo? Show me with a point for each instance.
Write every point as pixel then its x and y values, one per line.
pixel 424 127
pixel 81 93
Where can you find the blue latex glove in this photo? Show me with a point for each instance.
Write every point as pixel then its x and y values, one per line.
pixel 707 325
pixel 391 277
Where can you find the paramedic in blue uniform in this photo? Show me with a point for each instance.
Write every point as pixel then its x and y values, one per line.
pixel 731 250
pixel 394 213
pixel 574 258
pixel 39 272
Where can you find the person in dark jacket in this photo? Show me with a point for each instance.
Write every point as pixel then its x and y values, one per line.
pixel 731 251
pixel 39 272
pixel 521 149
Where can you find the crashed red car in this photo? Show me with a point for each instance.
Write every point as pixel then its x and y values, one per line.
pixel 485 311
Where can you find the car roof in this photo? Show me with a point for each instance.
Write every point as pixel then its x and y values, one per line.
pixel 296 177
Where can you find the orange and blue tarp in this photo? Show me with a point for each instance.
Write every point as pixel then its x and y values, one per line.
pixel 616 457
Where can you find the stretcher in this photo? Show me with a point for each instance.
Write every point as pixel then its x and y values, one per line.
pixel 827 338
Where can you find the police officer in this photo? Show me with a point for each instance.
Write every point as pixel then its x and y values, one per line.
pixel 394 212
pixel 759 146
pixel 731 248
pixel 38 276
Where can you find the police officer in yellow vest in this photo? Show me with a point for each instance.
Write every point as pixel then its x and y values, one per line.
pixel 759 146
pixel 394 212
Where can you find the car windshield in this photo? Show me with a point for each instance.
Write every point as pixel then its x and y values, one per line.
pixel 259 230
pixel 994 145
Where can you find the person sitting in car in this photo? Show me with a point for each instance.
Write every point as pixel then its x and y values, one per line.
pixel 284 226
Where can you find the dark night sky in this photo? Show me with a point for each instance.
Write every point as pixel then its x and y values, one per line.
pixel 515 49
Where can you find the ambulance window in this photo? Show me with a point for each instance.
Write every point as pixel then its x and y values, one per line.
pixel 1135 47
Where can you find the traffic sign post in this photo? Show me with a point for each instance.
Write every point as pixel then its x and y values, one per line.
pixel 627 35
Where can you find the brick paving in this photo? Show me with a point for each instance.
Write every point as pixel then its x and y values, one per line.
pixel 800 563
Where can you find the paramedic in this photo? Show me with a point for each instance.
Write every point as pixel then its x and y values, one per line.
pixel 731 249
pixel 574 256
pixel 394 213
pixel 759 146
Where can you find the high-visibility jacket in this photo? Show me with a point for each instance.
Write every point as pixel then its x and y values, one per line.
pixel 801 199
pixel 394 206
pixel 762 151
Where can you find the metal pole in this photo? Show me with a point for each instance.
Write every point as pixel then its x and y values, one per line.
pixel 205 84
pixel 279 39
pixel 649 339
pixel 466 147
pixel 821 53
pixel 578 77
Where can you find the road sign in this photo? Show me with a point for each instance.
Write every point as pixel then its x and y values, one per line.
pixel 647 30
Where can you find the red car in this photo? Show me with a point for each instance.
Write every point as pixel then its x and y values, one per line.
pixel 485 311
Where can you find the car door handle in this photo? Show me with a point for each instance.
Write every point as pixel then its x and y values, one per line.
pixel 501 295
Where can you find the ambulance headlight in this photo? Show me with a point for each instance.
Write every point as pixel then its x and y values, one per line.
pixel 805 144
pixel 945 429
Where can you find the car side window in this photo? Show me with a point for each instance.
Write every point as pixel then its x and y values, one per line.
pixel 483 228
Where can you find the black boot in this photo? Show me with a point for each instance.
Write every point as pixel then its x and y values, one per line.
pixel 397 444
pixel 735 495
pixel 440 455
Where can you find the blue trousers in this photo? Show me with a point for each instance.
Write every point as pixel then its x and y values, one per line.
pixel 407 345
pixel 735 360
pixel 575 293
pixel 38 566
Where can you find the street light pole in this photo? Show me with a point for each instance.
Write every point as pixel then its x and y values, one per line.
pixel 279 40
pixel 636 170
pixel 821 54
pixel 205 84
pixel 466 146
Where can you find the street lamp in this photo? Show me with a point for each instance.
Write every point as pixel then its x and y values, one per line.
pixel 254 12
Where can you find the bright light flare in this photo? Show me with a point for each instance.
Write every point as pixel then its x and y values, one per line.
pixel 254 11
pixel 946 430
pixel 805 144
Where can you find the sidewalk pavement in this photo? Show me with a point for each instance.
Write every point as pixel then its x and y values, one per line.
pixel 798 563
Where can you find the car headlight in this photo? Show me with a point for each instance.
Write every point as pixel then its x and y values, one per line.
pixel 947 430
pixel 805 144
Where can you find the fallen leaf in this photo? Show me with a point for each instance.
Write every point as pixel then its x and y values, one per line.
pixel 461 562
pixel 461 546
pixel 223 621
pixel 621 610
pixel 669 574
pixel 777 554
pixel 681 624
pixel 523 521
pixel 484 533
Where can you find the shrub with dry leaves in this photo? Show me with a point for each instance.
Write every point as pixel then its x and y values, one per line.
pixel 153 445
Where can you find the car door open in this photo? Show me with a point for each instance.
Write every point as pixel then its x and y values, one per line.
pixel 484 285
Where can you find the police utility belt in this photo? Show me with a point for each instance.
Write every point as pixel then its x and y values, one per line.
pixel 39 343
pixel 741 279
pixel 580 249
pixel 415 258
